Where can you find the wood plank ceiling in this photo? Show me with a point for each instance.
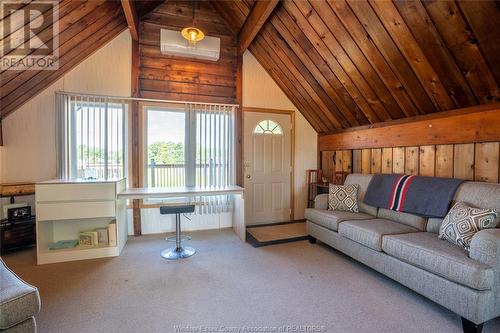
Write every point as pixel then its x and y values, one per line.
pixel 351 63
pixel 84 26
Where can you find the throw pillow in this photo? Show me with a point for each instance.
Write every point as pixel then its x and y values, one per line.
pixel 463 221
pixel 343 198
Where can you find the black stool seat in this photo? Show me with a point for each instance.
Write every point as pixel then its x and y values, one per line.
pixel 177 252
pixel 181 209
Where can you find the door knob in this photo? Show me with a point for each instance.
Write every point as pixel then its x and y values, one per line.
pixel 248 176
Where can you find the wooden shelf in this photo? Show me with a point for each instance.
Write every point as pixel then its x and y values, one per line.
pixel 15 189
pixel 47 256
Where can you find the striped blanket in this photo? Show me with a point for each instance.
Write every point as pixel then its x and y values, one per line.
pixel 425 196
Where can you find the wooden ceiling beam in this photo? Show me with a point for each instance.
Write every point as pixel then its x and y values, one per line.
pixel 256 19
pixel 233 19
pixel 131 17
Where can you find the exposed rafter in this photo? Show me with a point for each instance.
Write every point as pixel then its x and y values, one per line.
pixel 254 22
pixel 132 18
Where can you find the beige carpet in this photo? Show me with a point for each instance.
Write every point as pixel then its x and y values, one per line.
pixel 278 232
pixel 227 283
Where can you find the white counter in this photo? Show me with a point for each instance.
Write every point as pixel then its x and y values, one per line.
pixel 175 192
pixel 238 214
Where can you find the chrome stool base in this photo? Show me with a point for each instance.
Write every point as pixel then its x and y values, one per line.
pixel 174 238
pixel 176 253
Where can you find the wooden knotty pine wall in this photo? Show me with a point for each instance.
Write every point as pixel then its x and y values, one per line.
pixel 471 161
pixel 461 144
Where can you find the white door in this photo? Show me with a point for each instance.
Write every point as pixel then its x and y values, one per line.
pixel 267 167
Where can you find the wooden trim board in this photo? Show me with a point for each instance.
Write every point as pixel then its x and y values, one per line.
pixel 15 189
pixel 477 124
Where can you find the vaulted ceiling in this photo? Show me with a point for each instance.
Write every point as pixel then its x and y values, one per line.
pixel 84 27
pixel 342 63
pixel 351 63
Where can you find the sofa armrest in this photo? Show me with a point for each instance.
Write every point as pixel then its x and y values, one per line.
pixel 485 247
pixel 321 201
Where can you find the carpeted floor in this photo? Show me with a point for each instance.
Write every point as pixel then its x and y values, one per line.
pixel 226 284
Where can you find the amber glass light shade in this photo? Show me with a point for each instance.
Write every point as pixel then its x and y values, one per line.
pixel 192 34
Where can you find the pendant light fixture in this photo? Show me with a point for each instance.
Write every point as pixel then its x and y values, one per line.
pixel 191 33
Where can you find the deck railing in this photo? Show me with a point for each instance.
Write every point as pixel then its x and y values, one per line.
pixel 163 175
pixel 174 175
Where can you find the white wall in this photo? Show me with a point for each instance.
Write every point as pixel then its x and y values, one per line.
pixel 29 132
pixel 260 90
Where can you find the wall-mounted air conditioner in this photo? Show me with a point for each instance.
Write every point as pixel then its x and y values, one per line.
pixel 172 43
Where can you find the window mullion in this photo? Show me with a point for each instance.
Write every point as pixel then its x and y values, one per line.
pixel 190 150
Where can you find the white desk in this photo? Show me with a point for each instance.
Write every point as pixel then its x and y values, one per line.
pixel 176 192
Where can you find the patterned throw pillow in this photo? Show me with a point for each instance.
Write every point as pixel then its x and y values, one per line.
pixel 463 221
pixel 343 198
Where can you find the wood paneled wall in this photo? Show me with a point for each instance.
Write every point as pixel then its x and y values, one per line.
pixel 175 78
pixel 470 161
pixel 461 144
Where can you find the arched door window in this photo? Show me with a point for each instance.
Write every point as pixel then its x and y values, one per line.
pixel 268 127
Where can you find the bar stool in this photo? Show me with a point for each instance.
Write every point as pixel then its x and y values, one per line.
pixel 177 252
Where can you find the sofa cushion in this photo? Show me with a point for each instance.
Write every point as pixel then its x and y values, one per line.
pixel 18 300
pixel 331 219
pixel 363 181
pixel 433 225
pixel 440 257
pixel 370 232
pixel 415 221
pixel 481 195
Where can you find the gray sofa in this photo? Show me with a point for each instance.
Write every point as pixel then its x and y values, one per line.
pixel 406 248
pixel 19 303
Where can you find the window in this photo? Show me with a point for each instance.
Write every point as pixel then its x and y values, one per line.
pixel 90 137
pixel 268 127
pixel 189 145
pixel 165 147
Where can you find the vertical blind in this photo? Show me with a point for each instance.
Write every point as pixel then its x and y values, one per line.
pixel 90 136
pixel 210 150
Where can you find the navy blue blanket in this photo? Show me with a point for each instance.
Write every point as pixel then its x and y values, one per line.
pixel 426 196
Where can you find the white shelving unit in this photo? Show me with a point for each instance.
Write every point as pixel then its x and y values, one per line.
pixel 67 206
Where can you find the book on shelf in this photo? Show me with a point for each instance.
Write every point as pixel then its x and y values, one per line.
pixel 63 244
pixel 88 239
pixel 102 236
pixel 112 233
